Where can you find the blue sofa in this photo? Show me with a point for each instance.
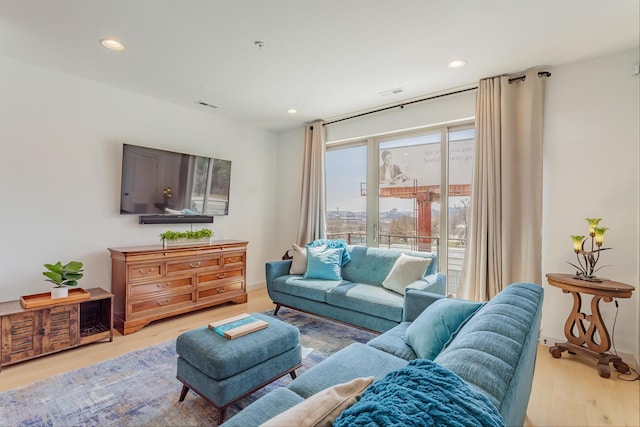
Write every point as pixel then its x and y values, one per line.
pixel 492 353
pixel 359 299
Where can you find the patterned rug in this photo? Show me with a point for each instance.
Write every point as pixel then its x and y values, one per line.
pixel 140 388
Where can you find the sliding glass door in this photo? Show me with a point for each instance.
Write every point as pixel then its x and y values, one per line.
pixel 398 191
pixel 346 193
pixel 409 191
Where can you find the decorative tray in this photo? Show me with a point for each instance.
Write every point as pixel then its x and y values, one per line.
pixel 44 299
pixel 237 326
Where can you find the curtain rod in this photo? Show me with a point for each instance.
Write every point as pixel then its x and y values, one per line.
pixel 522 78
pixel 401 105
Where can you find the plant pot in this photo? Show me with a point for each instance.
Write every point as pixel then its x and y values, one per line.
pixel 184 241
pixel 62 292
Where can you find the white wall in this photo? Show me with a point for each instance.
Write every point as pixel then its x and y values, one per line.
pixel 591 164
pixel 60 155
pixel 591 170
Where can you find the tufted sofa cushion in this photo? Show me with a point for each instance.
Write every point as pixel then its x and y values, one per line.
pixel 367 299
pixel 491 351
pixel 372 265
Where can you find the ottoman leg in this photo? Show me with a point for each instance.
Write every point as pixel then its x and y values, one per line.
pixel 183 393
pixel 222 412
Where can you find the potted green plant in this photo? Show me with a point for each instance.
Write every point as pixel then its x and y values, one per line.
pixel 62 277
pixel 192 237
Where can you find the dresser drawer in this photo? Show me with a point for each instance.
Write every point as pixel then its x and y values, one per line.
pixel 233 259
pixel 166 285
pixel 181 266
pixel 137 272
pixel 212 279
pixel 220 291
pixel 160 303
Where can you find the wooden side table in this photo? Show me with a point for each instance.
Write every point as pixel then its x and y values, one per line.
pixel 27 333
pixel 580 338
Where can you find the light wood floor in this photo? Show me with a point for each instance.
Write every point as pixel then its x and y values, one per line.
pixel 566 391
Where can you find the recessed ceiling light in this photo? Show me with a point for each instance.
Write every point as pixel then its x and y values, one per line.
pixel 206 104
pixel 292 111
pixel 458 63
pixel 391 92
pixel 112 44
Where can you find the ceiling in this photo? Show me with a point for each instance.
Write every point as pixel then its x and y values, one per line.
pixel 326 58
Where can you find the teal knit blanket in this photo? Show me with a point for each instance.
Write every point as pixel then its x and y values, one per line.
pixel 421 394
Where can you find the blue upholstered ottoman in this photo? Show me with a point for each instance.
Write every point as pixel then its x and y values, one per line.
pixel 223 371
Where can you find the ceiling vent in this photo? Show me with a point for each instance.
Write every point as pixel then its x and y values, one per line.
pixel 206 104
pixel 392 91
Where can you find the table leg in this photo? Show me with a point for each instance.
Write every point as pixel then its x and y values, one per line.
pixel 582 340
pixel 574 327
pixel 597 324
pixel 603 359
pixel 557 349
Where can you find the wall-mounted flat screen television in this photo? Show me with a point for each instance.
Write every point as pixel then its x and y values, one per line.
pixel 167 184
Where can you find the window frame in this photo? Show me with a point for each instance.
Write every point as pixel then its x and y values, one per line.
pixel 372 143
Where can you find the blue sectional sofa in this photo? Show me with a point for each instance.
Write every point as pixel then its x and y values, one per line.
pixel 488 360
pixel 359 298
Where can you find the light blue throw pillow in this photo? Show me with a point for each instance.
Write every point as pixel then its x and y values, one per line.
pixel 332 244
pixel 324 263
pixel 432 329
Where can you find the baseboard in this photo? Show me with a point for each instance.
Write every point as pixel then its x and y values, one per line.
pixel 254 286
pixel 549 341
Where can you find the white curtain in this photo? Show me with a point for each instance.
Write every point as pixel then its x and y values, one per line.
pixel 312 203
pixel 505 238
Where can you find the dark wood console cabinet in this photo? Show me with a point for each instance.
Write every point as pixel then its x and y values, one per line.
pixel 152 282
pixel 31 333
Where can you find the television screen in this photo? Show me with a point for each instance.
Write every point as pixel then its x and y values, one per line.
pixel 160 182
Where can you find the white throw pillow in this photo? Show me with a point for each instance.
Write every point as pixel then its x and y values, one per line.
pixel 322 408
pixel 406 270
pixel 299 260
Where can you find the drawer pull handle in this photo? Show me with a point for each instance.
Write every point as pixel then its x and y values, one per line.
pixel 221 275
pixel 234 259
pixel 221 290
pixel 163 285
pixel 164 302
pixel 147 271
pixel 194 264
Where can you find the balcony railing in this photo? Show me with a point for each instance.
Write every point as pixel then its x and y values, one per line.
pixel 414 243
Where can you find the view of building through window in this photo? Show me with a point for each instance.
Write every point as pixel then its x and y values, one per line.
pixel 402 202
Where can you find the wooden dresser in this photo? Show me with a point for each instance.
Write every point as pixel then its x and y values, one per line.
pixel 151 282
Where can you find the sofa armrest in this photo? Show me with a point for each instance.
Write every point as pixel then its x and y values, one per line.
pixel 415 302
pixel 275 269
pixel 434 283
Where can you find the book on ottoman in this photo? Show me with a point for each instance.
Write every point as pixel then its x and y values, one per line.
pixel 237 326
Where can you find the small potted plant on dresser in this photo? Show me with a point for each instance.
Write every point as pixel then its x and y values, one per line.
pixel 187 238
pixel 62 277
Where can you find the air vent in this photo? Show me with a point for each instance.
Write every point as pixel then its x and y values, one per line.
pixel 206 104
pixel 392 91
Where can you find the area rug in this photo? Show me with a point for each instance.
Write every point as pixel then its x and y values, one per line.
pixel 140 388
